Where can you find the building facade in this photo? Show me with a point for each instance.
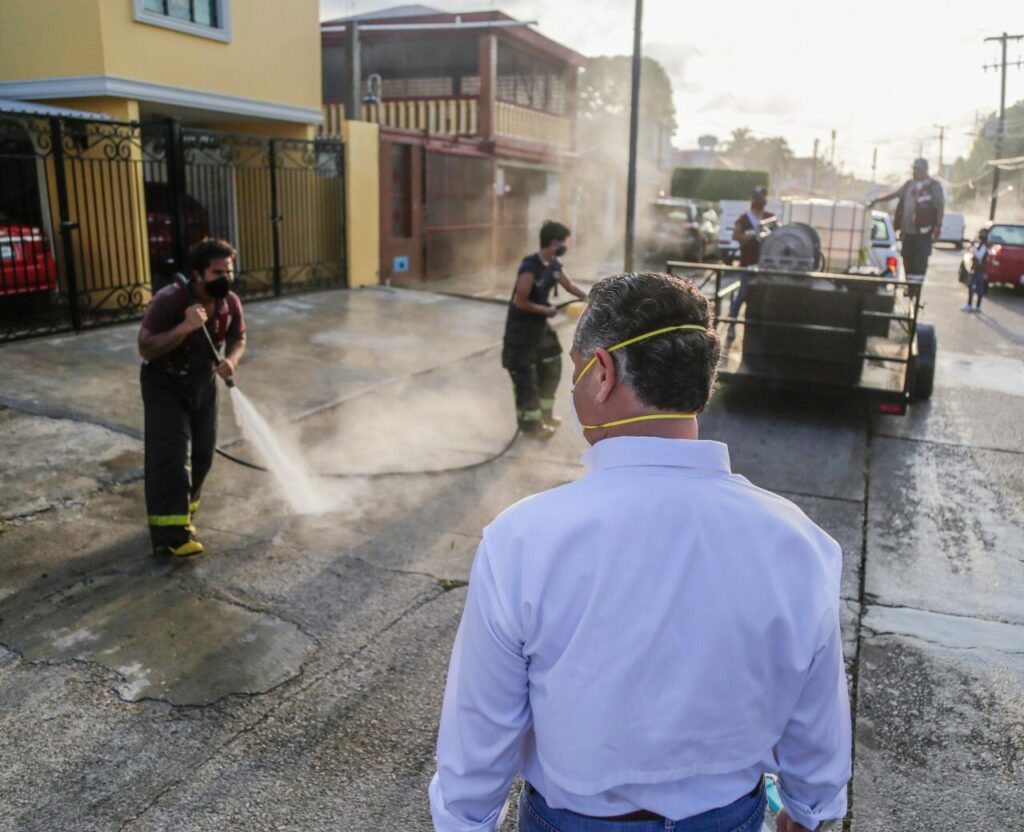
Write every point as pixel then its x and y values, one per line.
pixel 133 128
pixel 477 114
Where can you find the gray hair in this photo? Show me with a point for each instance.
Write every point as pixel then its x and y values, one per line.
pixel 674 371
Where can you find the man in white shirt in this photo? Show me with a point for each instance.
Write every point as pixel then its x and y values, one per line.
pixel 643 644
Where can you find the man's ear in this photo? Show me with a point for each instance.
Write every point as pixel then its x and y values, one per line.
pixel 607 375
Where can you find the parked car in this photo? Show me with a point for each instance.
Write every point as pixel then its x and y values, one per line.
pixel 884 256
pixel 678 229
pixel 159 225
pixel 26 262
pixel 953 225
pixel 1005 263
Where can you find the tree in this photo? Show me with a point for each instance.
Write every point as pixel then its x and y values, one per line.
pixel 738 145
pixel 772 154
pixel 606 85
pixel 973 172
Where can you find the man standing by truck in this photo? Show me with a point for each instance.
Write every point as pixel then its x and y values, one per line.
pixel 918 218
pixel 179 390
pixel 748 234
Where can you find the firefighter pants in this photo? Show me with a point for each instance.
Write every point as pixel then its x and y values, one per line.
pixel 536 369
pixel 181 436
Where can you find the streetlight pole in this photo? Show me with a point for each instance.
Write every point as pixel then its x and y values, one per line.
pixel 634 123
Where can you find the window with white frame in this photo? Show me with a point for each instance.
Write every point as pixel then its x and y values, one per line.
pixel 206 18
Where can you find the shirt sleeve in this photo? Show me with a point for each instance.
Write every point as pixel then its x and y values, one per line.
pixel 485 715
pixel 814 752
pixel 159 316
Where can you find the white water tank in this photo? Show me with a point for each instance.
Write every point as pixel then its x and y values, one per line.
pixel 844 228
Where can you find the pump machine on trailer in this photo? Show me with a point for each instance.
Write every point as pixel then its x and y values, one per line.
pixel 816 318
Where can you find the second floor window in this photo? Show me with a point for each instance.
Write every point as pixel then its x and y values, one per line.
pixel 199 12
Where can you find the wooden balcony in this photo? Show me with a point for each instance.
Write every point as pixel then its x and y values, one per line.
pixel 458 116
pixel 526 124
pixel 438 116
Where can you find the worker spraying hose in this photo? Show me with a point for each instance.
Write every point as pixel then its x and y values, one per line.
pixel 183 323
pixel 531 352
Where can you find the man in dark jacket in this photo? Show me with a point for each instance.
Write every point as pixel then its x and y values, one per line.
pixel 179 390
pixel 918 218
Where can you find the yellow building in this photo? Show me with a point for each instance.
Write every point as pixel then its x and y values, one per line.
pixel 206 112
pixel 249 67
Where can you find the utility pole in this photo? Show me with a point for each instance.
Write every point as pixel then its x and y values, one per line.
pixel 832 161
pixel 353 93
pixel 814 166
pixel 942 128
pixel 1003 40
pixel 634 123
pixel 874 163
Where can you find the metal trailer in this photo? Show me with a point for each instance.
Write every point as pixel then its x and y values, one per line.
pixel 824 332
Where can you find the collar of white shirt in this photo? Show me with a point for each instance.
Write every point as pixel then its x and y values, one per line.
pixel 632 451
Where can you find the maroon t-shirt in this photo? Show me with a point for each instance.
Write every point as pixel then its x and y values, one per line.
pixel 167 309
pixel 750 250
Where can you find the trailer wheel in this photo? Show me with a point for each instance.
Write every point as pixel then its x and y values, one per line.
pixel 923 378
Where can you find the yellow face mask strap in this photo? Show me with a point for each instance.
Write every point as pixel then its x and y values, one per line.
pixel 647 418
pixel 643 337
pixel 653 416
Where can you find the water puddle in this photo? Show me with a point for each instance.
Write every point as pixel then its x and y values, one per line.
pixel 164 642
pixel 995 373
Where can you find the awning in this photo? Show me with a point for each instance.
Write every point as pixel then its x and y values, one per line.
pixel 1014 163
pixel 31 108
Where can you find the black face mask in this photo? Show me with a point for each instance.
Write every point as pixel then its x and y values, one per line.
pixel 218 287
pixel 560 251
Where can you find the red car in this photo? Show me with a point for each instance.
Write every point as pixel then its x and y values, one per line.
pixel 159 224
pixel 1005 263
pixel 26 263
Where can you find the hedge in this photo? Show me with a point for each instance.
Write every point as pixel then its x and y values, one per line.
pixel 713 185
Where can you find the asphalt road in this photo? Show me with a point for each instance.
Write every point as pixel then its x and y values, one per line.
pixel 291 679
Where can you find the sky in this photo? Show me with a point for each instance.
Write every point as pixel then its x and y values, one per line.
pixel 880 73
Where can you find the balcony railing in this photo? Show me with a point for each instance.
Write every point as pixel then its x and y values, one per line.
pixel 457 116
pixel 533 125
pixel 440 116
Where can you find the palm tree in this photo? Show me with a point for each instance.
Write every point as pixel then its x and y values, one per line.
pixel 740 143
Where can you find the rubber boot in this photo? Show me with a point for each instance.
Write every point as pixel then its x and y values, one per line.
pixel 536 429
pixel 549 418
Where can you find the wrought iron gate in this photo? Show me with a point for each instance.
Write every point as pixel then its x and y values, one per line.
pixel 96 215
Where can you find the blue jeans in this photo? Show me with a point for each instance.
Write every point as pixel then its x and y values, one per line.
pixel 744 815
pixel 976 287
pixel 739 296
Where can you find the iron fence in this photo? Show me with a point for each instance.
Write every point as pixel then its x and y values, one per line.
pixel 97 215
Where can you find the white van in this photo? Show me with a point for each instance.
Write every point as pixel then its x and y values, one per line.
pixel 953 229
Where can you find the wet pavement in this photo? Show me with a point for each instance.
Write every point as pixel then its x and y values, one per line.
pixel 291 678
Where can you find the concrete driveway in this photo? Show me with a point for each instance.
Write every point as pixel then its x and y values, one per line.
pixel 292 678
